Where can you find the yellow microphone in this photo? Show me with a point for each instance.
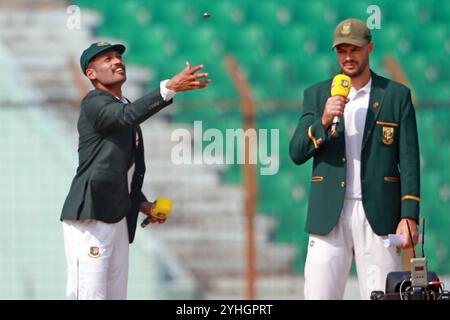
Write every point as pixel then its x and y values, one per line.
pixel 339 87
pixel 161 208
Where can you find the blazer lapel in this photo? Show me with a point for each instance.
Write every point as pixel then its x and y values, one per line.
pixel 140 164
pixel 375 105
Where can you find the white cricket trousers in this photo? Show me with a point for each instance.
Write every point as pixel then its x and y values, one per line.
pixel 97 259
pixel 329 257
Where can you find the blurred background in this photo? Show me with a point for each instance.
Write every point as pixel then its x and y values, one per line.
pixel 273 50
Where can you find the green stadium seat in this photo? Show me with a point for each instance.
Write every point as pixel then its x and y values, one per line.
pixel 178 14
pixel 248 42
pixel 377 64
pixel 154 36
pixel 290 41
pixel 313 13
pixel 433 40
pixel 127 14
pixel 314 69
pixel 405 12
pixel 272 70
pixel 394 39
pixel 355 9
pixel 440 92
pixel 201 41
pixel 441 116
pixel 415 67
pixel 270 14
pixel 440 12
pixel 432 92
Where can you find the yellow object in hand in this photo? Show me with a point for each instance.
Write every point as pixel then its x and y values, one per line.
pixel 161 207
pixel 341 85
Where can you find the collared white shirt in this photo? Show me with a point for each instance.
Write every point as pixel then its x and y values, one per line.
pixel 166 94
pixel 132 168
pixel 355 118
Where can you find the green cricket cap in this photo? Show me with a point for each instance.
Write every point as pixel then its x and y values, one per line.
pixel 96 48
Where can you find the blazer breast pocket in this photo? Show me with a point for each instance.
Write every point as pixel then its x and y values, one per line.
pixel 388 132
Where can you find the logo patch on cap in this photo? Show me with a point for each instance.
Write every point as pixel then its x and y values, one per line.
pixel 103 43
pixel 346 28
pixel 94 252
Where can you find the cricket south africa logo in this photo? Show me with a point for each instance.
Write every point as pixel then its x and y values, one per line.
pixel 346 28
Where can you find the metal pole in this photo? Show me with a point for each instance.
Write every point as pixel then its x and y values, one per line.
pixel 250 185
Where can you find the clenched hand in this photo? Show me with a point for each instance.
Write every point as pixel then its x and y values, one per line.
pixel 146 208
pixel 403 229
pixel 333 107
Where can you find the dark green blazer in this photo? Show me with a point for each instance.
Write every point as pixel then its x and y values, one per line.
pixel 390 168
pixel 107 148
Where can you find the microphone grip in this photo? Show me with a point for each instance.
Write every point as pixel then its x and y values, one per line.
pixel 334 125
pixel 145 222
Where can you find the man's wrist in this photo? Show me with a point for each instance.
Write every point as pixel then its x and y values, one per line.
pixel 166 93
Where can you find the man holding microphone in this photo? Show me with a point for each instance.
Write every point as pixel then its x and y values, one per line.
pixel 365 181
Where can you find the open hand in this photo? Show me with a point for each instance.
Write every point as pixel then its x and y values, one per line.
pixel 188 79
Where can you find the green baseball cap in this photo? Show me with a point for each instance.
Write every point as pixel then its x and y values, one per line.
pixel 351 31
pixel 96 48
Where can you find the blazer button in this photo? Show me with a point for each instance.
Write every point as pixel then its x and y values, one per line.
pixel 343 159
pixel 342 184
